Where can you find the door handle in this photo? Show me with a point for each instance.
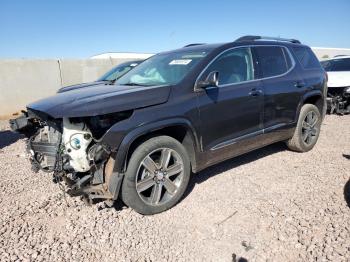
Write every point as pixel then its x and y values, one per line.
pixel 255 92
pixel 299 84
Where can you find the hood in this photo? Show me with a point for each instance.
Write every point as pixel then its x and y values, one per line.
pixel 100 99
pixel 338 79
pixel 79 86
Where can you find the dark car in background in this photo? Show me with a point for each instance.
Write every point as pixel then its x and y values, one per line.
pixel 177 112
pixel 109 77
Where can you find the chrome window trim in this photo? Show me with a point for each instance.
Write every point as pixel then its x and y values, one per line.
pixel 248 81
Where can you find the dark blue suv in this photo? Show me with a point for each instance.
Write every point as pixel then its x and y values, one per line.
pixel 178 112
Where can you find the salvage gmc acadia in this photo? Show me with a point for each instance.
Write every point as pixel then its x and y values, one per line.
pixel 178 112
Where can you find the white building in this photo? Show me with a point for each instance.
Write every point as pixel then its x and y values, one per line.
pixel 328 52
pixel 321 53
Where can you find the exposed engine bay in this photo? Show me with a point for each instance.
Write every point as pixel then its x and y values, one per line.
pixel 71 149
pixel 338 100
pixel 76 136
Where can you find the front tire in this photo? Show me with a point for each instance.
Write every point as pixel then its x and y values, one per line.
pixel 307 130
pixel 157 175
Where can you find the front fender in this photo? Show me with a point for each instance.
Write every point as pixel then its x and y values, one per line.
pixel 139 131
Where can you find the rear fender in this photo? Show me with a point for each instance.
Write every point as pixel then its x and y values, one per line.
pixel 307 96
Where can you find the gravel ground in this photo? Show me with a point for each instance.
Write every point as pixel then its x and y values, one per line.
pixel 271 204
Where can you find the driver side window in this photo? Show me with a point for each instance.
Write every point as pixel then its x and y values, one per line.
pixel 234 66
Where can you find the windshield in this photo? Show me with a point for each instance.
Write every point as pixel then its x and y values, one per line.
pixel 163 69
pixel 117 72
pixel 340 64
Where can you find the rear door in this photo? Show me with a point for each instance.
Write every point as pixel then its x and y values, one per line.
pixel 282 85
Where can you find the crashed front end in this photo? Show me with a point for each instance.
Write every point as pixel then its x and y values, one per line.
pixel 72 150
pixel 338 100
pixel 75 135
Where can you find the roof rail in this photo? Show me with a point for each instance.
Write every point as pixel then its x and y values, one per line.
pixel 194 44
pixel 257 37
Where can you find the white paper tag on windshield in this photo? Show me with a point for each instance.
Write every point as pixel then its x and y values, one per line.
pixel 180 62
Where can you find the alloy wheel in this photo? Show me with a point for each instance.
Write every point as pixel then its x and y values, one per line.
pixel 159 176
pixel 310 128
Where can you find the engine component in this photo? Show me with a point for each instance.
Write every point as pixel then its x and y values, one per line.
pixel 346 92
pixel 338 100
pixel 44 147
pixel 66 147
pixel 19 123
pixel 98 125
pixel 76 139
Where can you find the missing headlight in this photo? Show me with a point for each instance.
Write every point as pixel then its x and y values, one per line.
pixel 101 123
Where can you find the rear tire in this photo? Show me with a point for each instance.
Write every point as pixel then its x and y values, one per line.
pixel 307 130
pixel 157 175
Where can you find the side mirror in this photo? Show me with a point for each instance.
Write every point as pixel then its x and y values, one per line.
pixel 212 80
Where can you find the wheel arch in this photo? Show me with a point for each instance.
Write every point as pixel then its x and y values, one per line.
pixel 179 129
pixel 315 98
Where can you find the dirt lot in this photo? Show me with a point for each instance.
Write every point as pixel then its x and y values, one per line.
pixel 271 204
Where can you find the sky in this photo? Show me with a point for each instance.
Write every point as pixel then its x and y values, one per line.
pixel 83 28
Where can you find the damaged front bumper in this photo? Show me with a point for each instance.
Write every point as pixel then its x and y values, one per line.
pixel 71 154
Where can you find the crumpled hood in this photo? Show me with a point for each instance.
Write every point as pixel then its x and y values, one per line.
pixel 101 99
pixel 338 79
pixel 79 86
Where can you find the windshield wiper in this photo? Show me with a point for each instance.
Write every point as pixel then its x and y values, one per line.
pixel 133 84
pixel 108 82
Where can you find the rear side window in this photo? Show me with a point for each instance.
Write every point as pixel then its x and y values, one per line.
pixel 306 57
pixel 273 60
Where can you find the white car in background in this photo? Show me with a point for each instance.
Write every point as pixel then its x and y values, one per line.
pixel 338 70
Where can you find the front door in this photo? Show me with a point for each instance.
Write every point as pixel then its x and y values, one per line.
pixel 232 111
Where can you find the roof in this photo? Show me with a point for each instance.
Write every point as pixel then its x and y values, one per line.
pixel 239 43
pixel 258 37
